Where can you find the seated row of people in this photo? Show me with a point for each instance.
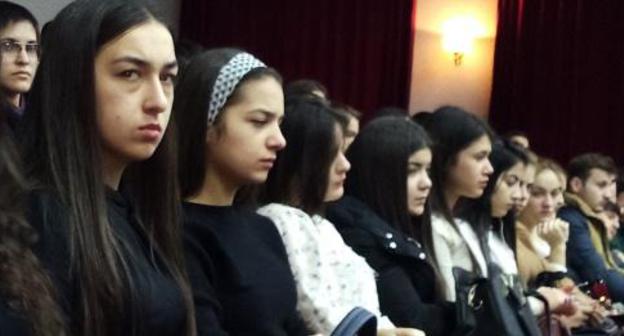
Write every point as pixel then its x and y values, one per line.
pixel 232 210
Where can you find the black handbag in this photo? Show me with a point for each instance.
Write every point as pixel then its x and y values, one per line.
pixel 491 306
pixel 495 305
pixel 358 322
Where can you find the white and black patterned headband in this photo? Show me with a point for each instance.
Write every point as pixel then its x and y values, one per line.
pixel 229 76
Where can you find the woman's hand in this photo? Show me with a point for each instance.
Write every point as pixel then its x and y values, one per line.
pixel 554 231
pixel 579 319
pixel 559 301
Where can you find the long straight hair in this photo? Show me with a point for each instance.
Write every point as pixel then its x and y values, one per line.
pixel 452 130
pixel 300 176
pixel 379 169
pixel 63 152
pixel 24 285
pixel 378 177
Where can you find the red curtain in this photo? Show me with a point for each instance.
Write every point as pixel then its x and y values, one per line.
pixel 360 49
pixel 559 75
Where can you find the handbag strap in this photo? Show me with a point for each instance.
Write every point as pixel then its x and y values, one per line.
pixel 485 247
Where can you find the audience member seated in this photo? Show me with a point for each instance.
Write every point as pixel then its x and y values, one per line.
pixel 353 126
pixel 19 48
pixel 99 154
pixel 611 218
pixel 237 264
pixel 526 181
pixel 460 169
pixel 519 138
pixel 385 217
pixel 541 237
pixel 541 242
pixel 306 87
pixel 591 182
pixel 493 219
pixel 331 278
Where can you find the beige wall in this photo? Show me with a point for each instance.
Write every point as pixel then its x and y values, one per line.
pixel 44 10
pixel 435 78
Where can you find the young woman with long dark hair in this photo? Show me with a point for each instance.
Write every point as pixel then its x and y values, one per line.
pixel 229 106
pixel 460 169
pixel 491 215
pixel 331 279
pixel 99 148
pixel 385 217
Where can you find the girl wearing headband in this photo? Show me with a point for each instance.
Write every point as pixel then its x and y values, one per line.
pixel 98 145
pixel 229 106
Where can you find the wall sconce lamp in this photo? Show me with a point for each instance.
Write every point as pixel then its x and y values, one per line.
pixel 458 57
pixel 458 36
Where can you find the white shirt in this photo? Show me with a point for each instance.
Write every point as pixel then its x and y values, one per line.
pixel 331 279
pixel 541 247
pixel 454 250
pixel 502 255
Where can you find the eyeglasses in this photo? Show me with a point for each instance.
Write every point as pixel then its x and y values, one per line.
pixel 12 48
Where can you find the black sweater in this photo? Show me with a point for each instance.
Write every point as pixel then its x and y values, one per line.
pixel 242 283
pixel 406 281
pixel 11 322
pixel 156 296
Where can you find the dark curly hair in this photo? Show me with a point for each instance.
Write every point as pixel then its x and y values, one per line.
pixel 24 285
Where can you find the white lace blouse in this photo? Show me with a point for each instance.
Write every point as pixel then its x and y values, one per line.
pixel 331 278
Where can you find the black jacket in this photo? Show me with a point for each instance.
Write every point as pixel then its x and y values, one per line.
pixel 406 280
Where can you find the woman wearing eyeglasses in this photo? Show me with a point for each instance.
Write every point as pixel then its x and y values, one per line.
pixel 19 46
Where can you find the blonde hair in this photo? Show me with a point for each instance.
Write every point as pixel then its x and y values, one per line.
pixel 550 164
